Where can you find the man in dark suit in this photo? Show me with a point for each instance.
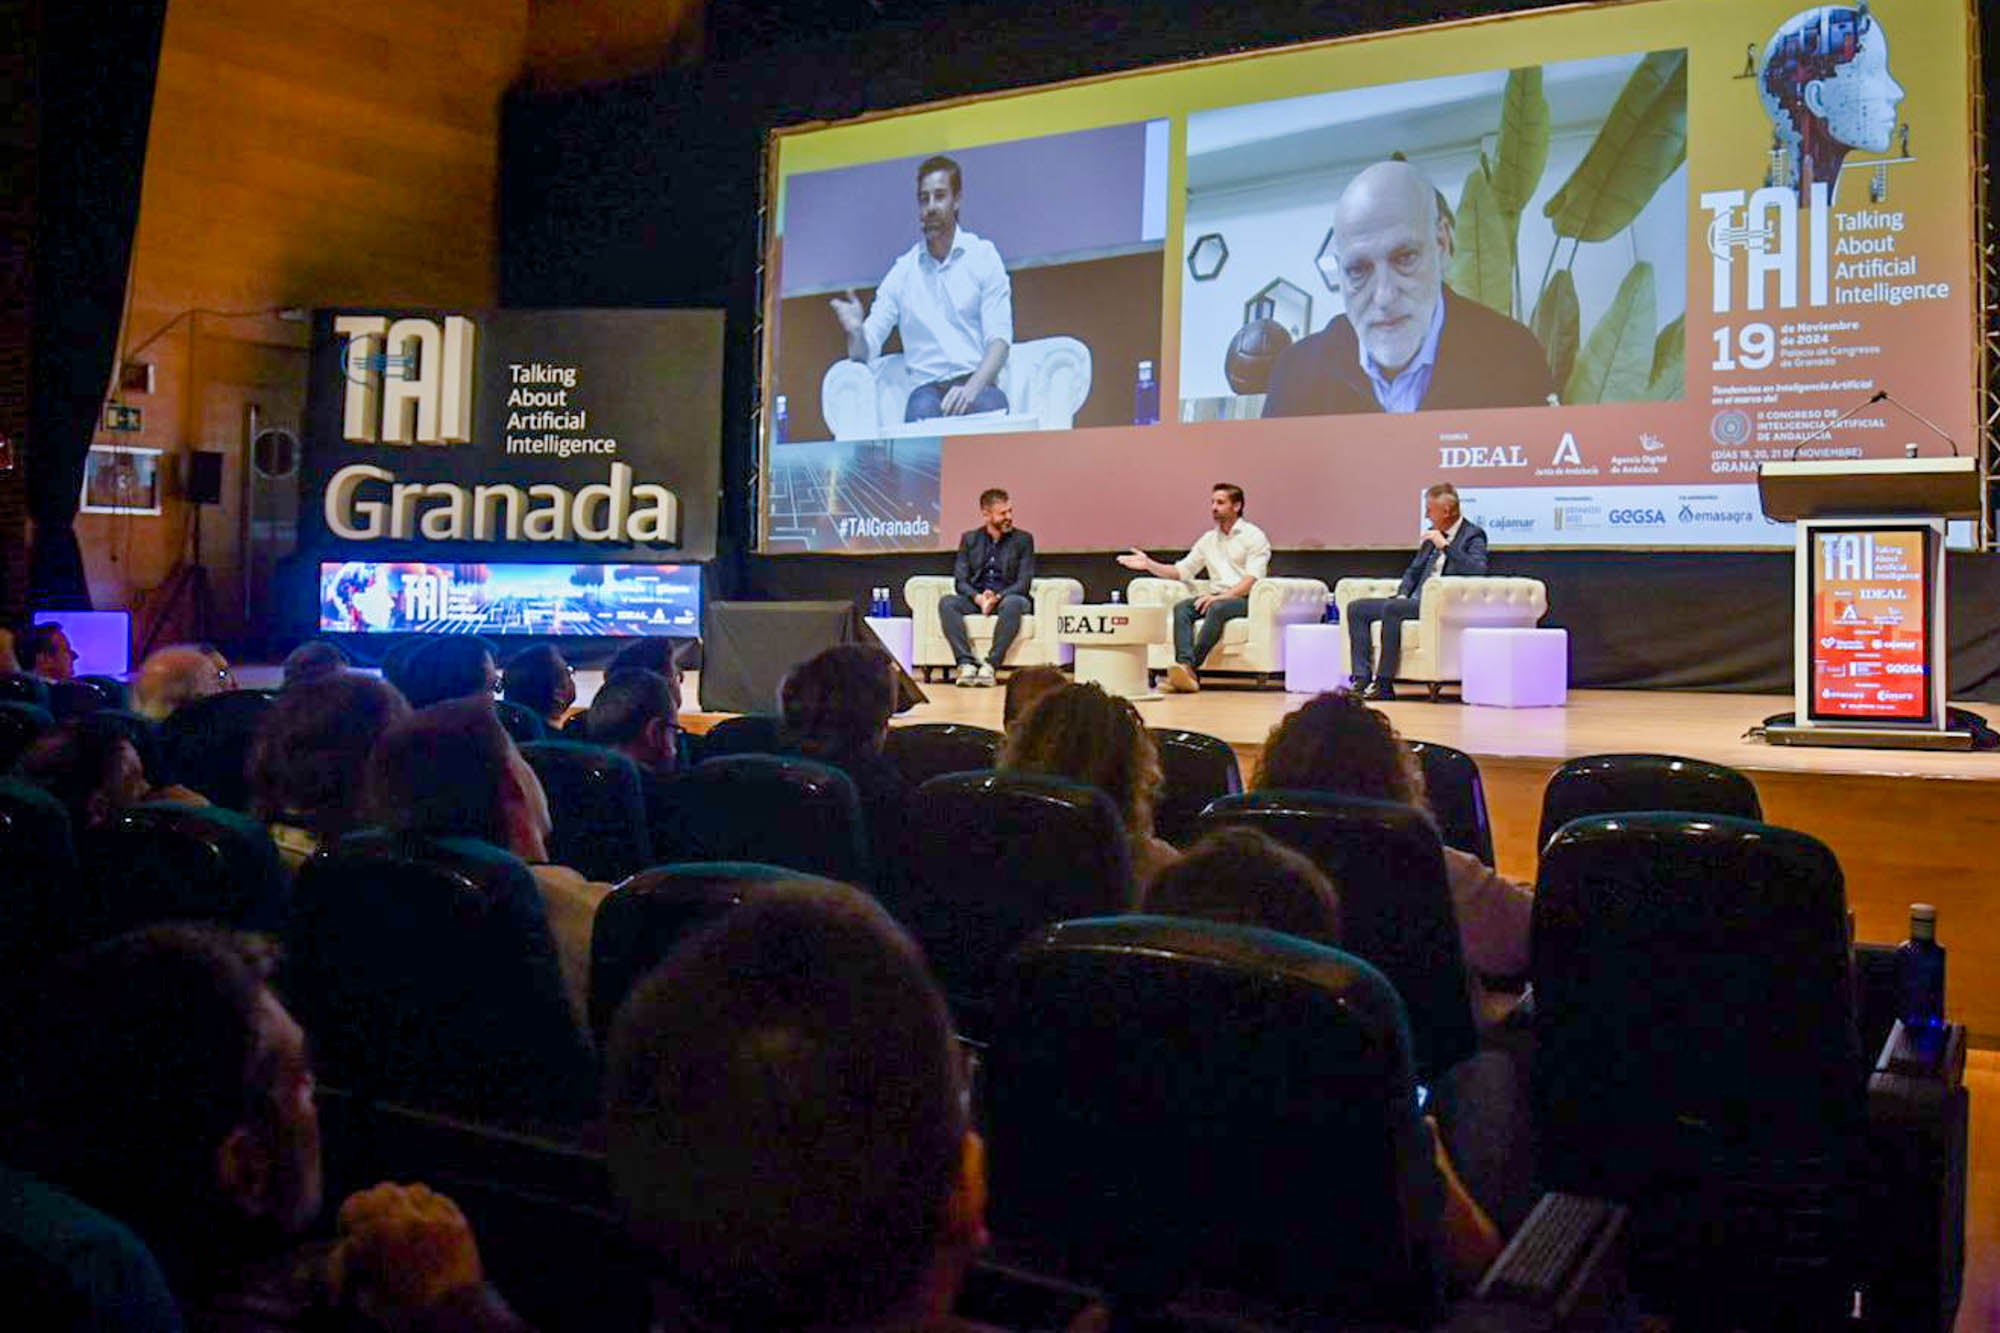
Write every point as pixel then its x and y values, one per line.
pixel 637 713
pixel 1405 343
pixel 992 575
pixel 1451 545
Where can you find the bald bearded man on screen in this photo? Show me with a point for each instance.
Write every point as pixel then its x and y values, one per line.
pixel 1405 343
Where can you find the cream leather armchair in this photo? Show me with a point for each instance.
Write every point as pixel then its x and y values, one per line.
pixel 1035 645
pixel 1450 606
pixel 1256 642
pixel 1045 380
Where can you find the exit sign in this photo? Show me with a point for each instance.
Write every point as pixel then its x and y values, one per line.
pixel 123 417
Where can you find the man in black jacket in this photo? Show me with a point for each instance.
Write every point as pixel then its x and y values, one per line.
pixel 1451 545
pixel 995 567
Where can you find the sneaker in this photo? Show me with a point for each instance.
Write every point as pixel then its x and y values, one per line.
pixel 984 677
pixel 1181 679
pixel 1381 691
pixel 968 675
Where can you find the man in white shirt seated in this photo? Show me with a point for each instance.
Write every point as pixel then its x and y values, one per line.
pixel 1233 555
pixel 1451 545
pixel 950 296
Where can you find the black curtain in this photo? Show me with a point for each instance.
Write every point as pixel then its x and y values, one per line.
pixel 96 61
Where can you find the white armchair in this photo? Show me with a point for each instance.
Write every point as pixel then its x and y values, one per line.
pixel 1035 645
pixel 1450 606
pixel 1256 642
pixel 1045 380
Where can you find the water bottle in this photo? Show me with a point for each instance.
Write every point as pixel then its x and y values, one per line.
pixel 879 606
pixel 781 422
pixel 1920 972
pixel 1146 397
pixel 1116 597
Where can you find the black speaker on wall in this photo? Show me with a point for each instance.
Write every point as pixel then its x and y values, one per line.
pixel 204 477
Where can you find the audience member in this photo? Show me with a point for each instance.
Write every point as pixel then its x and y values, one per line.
pixel 309 762
pixel 162 1083
pixel 1338 744
pixel 312 659
pixel 649 653
pixel 1081 733
pixel 1242 877
pixel 1027 687
pixel 90 765
pixel 788 1128
pixel 44 651
pixel 456 667
pixel 637 713
pixel 450 770
pixel 177 675
pixel 836 709
pixel 540 680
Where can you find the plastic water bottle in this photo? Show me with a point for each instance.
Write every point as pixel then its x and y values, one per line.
pixel 1920 972
pixel 878 604
pixel 1116 597
pixel 781 422
pixel 1146 397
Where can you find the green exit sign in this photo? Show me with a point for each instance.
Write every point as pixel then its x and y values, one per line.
pixel 123 417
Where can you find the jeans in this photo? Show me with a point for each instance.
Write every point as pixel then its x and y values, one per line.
pixel 953 610
pixel 1361 618
pixel 927 400
pixel 1192 652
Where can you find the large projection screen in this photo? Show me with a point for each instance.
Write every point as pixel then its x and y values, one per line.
pixel 1592 265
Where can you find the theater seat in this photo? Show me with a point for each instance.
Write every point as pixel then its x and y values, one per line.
pixel 521 722
pixel 748 733
pixel 18 687
pixel 21 725
pixel 163 861
pixel 1198 769
pixel 926 750
pixel 598 809
pixel 73 698
pixel 1177 1106
pixel 40 876
pixel 145 738
pixel 67 1268
pixel 1604 784
pixel 777 809
pixel 425 972
pixel 1457 798
pixel 206 743
pixel 1254 641
pixel 110 689
pixel 1035 645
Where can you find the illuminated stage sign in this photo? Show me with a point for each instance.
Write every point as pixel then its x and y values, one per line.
pixel 1871 632
pixel 600 600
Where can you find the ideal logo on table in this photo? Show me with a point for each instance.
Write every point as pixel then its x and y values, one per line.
pixel 1102 623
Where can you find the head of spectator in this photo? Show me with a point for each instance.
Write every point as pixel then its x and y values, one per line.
pixel 1243 877
pixel 788 1130
pixel 89 765
pixel 309 762
pixel 458 667
pixel 635 713
pixel 1338 744
pixel 1081 733
pixel 8 662
pixel 650 653
pixel 45 651
pixel 312 659
pixel 540 679
pixel 177 675
pixel 450 770
pixel 838 703
pixel 1026 688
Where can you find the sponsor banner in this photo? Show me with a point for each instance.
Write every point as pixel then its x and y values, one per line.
pixel 1623 516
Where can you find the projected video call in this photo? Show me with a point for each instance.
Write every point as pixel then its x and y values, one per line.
pixel 1593 267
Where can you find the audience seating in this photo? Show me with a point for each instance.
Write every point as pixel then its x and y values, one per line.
pixel 66 1266
pixel 145 738
pixel 1457 798
pixel 777 809
pixel 1198 769
pixel 73 698
pixel 639 922
pixel 110 689
pixel 597 806
pixel 425 972
pixel 520 722
pixel 1609 784
pixel 1179 1106
pixel 1451 604
pixel 1254 641
pixel 21 725
pixel 749 733
pixel 40 861
pixel 206 743
pixel 927 750
pixel 994 857
pixel 1697 1052
pixel 1395 904
pixel 19 687
pixel 1036 645
pixel 164 861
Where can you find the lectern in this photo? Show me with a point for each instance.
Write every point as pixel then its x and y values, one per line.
pixel 1868 655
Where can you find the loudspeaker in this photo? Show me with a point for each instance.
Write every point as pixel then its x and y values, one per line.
pixel 204 477
pixel 749 646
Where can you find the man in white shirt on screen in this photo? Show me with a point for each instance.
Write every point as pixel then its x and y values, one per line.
pixel 1232 555
pixel 951 297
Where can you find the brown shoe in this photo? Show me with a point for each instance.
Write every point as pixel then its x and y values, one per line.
pixel 1182 680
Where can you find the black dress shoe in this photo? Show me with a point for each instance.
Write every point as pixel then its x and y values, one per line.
pixel 1380 691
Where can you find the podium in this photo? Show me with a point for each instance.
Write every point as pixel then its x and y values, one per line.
pixel 1869 644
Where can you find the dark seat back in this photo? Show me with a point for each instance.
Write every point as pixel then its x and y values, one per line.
pixel 425 972
pixel 1198 769
pixel 782 810
pixel 1457 798
pixel 1609 784
pixel 1697 1051
pixel 67 1268
pixel 598 808
pixel 163 861
pixel 639 922
pixel 520 722
pixel 40 874
pixel 1178 1105
pixel 145 738
pixel 994 857
pixel 73 698
pixel 20 687
pixel 927 750
pixel 21 725
pixel 206 743
pixel 1395 904
pixel 750 733
pixel 110 689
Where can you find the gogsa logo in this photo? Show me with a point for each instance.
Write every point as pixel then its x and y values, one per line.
pixel 1637 518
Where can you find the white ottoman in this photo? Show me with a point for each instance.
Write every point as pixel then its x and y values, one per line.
pixel 899 635
pixel 1315 658
pixel 1514 668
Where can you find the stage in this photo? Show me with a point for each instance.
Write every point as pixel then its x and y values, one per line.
pixel 1907 825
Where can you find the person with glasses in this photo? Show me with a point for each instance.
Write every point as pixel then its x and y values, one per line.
pixel 637 713
pixel 541 681
pixel 175 676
